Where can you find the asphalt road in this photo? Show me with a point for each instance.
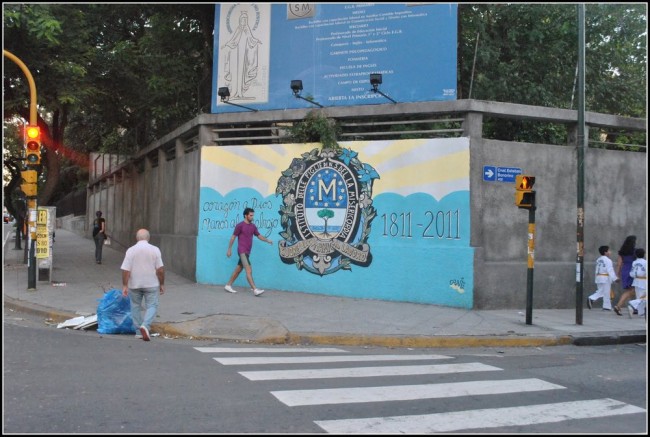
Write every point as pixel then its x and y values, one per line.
pixel 67 381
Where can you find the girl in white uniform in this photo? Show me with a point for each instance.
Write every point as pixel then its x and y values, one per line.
pixel 640 283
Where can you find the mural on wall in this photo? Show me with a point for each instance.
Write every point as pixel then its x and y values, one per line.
pixel 326 211
pixel 375 219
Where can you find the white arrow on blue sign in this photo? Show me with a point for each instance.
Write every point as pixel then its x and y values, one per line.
pixel 500 174
pixel 489 173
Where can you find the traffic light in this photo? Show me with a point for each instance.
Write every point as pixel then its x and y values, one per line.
pixel 33 146
pixel 524 196
pixel 29 182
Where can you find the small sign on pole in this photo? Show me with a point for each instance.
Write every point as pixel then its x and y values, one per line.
pixel 45 224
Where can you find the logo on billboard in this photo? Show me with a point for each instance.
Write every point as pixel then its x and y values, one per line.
pixel 300 10
pixel 326 211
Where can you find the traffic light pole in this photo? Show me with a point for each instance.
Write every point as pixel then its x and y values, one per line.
pixel 31 202
pixel 531 264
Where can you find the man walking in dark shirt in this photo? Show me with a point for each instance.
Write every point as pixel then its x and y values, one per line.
pixel 244 232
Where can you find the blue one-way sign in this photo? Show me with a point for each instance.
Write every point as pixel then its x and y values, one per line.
pixel 500 174
pixel 489 173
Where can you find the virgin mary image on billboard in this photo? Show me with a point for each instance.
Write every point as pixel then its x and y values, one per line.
pixel 244 35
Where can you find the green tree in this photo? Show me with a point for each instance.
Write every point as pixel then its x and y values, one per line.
pixel 527 53
pixel 326 214
pixel 110 78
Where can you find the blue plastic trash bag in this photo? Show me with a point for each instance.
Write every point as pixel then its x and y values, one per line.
pixel 114 314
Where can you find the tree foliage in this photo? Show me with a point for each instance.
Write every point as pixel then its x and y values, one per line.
pixel 315 127
pixel 110 77
pixel 528 54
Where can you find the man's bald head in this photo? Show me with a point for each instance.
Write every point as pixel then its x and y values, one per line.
pixel 142 234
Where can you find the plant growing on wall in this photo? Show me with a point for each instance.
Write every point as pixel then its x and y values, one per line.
pixel 316 128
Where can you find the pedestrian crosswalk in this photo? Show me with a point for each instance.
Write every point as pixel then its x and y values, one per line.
pixel 479 419
pixel 330 365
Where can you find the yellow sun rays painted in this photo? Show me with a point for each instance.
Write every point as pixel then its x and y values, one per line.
pixel 400 163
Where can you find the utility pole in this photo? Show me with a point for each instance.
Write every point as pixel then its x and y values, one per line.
pixel 580 145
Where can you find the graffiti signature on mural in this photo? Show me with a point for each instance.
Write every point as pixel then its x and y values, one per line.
pixel 458 285
pixel 326 211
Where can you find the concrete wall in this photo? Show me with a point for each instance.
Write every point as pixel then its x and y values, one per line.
pixel 158 197
pixel 73 224
pixel 164 198
pixel 614 207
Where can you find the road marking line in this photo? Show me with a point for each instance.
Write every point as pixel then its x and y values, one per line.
pixel 324 359
pixel 211 350
pixel 479 419
pixel 293 398
pixel 360 372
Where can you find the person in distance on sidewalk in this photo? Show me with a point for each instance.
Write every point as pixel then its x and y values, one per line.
pixel 604 277
pixel 143 277
pixel 640 283
pixel 99 235
pixel 623 266
pixel 244 232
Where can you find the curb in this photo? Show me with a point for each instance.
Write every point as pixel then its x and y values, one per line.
pixel 429 342
pixel 37 310
pixel 602 340
pixel 170 329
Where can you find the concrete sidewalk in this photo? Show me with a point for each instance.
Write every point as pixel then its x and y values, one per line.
pixel 199 311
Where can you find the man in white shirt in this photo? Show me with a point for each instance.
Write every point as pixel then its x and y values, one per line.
pixel 143 276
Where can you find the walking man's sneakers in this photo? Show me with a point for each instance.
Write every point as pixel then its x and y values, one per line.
pixel 145 333
pixel 229 289
pixel 589 303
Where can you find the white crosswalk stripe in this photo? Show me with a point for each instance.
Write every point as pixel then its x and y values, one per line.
pixel 452 421
pixel 364 372
pixel 410 392
pixel 239 350
pixel 479 419
pixel 324 359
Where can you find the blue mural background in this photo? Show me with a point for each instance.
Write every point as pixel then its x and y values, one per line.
pixel 420 246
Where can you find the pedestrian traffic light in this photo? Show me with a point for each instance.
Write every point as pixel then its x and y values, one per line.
pixel 28 186
pixel 524 196
pixel 33 146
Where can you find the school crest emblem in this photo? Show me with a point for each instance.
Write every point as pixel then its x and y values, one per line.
pixel 326 211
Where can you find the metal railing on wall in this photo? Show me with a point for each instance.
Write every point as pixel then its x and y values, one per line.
pixel 375 122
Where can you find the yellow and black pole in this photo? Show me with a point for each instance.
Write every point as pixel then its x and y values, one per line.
pixel 30 175
pixel 525 199
pixel 531 264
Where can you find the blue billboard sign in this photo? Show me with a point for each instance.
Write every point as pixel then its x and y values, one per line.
pixel 260 48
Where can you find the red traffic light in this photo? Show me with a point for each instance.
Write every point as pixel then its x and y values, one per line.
pixel 33 146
